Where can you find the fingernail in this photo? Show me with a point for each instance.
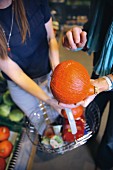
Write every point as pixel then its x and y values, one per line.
pixel 77 49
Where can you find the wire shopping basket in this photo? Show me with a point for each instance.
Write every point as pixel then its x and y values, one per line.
pixel 91 125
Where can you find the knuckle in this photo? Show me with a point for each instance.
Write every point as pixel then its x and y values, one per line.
pixel 68 33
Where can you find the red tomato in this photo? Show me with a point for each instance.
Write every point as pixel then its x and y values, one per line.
pixel 80 128
pixel 4 133
pixel 5 148
pixel 77 112
pixel 2 164
pixel 67 134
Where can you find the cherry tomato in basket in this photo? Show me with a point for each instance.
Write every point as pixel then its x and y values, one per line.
pixel 5 148
pixel 4 133
pixel 2 164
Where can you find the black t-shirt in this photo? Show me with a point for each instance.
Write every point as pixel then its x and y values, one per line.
pixel 33 55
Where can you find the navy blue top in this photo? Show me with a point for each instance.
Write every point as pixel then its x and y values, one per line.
pixel 32 56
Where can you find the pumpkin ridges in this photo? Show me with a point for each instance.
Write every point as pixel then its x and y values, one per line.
pixel 70 74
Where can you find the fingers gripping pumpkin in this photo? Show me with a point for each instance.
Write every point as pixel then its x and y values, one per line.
pixel 70 82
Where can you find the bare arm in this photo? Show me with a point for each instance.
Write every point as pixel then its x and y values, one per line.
pixel 11 69
pixel 53 45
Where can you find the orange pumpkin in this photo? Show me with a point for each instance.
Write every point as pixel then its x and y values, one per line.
pixel 70 82
pixel 77 112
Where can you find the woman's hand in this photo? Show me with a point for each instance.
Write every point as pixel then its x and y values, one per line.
pixel 74 38
pixel 55 104
pixel 83 103
pixel 100 83
pixel 100 86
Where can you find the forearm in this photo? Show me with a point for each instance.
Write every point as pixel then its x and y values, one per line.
pixel 19 77
pixel 53 45
pixel 54 53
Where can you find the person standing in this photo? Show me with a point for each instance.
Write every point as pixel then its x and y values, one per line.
pixel 26 28
pixel 97 37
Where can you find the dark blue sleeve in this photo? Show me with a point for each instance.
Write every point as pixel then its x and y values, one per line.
pixel 45 10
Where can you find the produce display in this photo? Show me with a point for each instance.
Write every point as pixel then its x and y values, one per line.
pixel 8 108
pixel 70 82
pixel 11 118
pixel 6 146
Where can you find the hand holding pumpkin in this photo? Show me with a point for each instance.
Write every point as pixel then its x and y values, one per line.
pixel 54 103
pixel 83 103
pixel 100 85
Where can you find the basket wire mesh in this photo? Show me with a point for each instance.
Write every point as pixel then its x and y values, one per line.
pixel 92 121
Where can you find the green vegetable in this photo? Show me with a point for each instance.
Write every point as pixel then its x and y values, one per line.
pixel 16 115
pixel 7 98
pixel 4 110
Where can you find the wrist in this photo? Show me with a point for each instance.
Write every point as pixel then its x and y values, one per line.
pixel 48 101
pixel 109 82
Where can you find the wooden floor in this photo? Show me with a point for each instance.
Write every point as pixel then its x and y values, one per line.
pixel 81 158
